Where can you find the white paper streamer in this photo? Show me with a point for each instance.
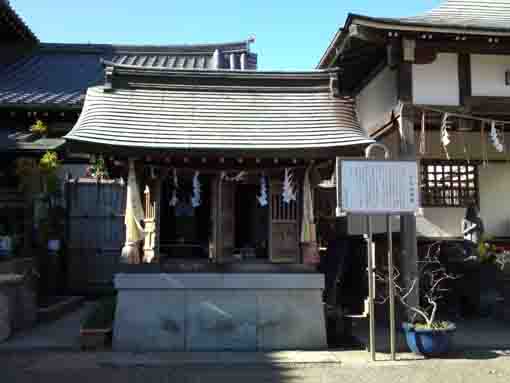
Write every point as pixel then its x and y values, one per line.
pixel 445 136
pixel 288 187
pixel 495 138
pixel 197 189
pixel 237 178
pixel 262 198
pixel 174 200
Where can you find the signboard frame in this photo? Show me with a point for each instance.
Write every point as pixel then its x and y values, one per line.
pixel 340 210
pixel 368 213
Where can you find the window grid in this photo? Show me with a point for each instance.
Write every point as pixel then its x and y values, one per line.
pixel 448 183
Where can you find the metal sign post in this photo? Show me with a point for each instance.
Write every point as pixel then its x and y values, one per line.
pixel 391 288
pixel 370 262
pixel 370 187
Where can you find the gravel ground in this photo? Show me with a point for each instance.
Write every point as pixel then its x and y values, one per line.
pixel 345 367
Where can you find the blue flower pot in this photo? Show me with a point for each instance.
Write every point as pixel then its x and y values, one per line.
pixel 429 342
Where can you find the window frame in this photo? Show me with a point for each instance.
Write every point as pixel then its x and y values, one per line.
pixel 429 193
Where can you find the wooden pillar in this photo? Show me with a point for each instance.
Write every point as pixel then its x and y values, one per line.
pixel 408 244
pixel 151 202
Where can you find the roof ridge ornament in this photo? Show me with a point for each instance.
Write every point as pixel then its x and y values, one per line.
pixel 109 72
pixel 216 59
pixel 334 84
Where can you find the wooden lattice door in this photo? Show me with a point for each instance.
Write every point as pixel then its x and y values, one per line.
pixel 223 211
pixel 284 227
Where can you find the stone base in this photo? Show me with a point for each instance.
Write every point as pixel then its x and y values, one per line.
pixel 212 312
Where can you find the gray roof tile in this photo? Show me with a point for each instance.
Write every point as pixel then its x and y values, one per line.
pixel 484 15
pixel 218 110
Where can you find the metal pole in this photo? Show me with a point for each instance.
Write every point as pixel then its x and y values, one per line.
pixel 391 289
pixel 371 287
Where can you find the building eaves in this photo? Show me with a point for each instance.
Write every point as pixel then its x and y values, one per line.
pixel 21 28
pixel 472 17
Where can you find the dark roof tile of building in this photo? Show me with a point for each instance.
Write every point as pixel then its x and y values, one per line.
pixel 58 75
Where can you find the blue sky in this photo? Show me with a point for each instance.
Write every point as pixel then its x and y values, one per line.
pixel 289 34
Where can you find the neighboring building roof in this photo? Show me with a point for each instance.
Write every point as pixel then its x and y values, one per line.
pixel 162 109
pixel 474 17
pixel 58 75
pixel 12 27
pixel 13 141
pixel 487 15
pixel 200 56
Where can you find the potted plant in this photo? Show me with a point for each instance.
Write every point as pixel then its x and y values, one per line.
pixel 425 334
pixel 96 330
pixel 487 264
pixel 98 169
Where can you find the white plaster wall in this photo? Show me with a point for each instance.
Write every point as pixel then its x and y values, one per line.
pixel 377 99
pixel 495 198
pixel 437 83
pixel 448 219
pixel 494 184
pixel 488 75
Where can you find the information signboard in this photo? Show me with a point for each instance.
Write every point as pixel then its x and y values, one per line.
pixel 377 187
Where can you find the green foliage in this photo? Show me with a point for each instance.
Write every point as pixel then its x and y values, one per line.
pixel 486 250
pixel 49 162
pixel 102 316
pixel 39 128
pixel 98 169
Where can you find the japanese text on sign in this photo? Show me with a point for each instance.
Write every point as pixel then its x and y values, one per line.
pixel 378 187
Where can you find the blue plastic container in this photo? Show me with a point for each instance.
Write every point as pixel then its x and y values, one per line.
pixel 428 342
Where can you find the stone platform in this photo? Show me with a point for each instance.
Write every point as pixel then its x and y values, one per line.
pixel 213 312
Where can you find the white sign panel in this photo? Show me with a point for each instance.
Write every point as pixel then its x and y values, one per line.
pixel 377 187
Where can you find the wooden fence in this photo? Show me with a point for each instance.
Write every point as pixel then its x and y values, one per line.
pixel 95 232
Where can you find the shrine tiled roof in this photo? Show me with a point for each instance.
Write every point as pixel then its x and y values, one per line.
pixel 182 109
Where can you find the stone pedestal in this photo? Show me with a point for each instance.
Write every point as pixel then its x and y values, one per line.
pixel 18 308
pixel 210 312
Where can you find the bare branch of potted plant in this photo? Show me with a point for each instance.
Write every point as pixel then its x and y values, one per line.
pixel 425 333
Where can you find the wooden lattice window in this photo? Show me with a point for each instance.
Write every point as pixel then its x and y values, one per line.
pixel 281 211
pixel 448 183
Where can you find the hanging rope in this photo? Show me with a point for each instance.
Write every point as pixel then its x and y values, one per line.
pixel 423 143
pixel 464 116
pixel 464 148
pixel 484 146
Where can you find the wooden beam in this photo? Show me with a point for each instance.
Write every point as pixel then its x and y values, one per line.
pixel 408 244
pixel 464 67
pixel 488 106
pixel 366 34
pixel 405 82
pixel 469 46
